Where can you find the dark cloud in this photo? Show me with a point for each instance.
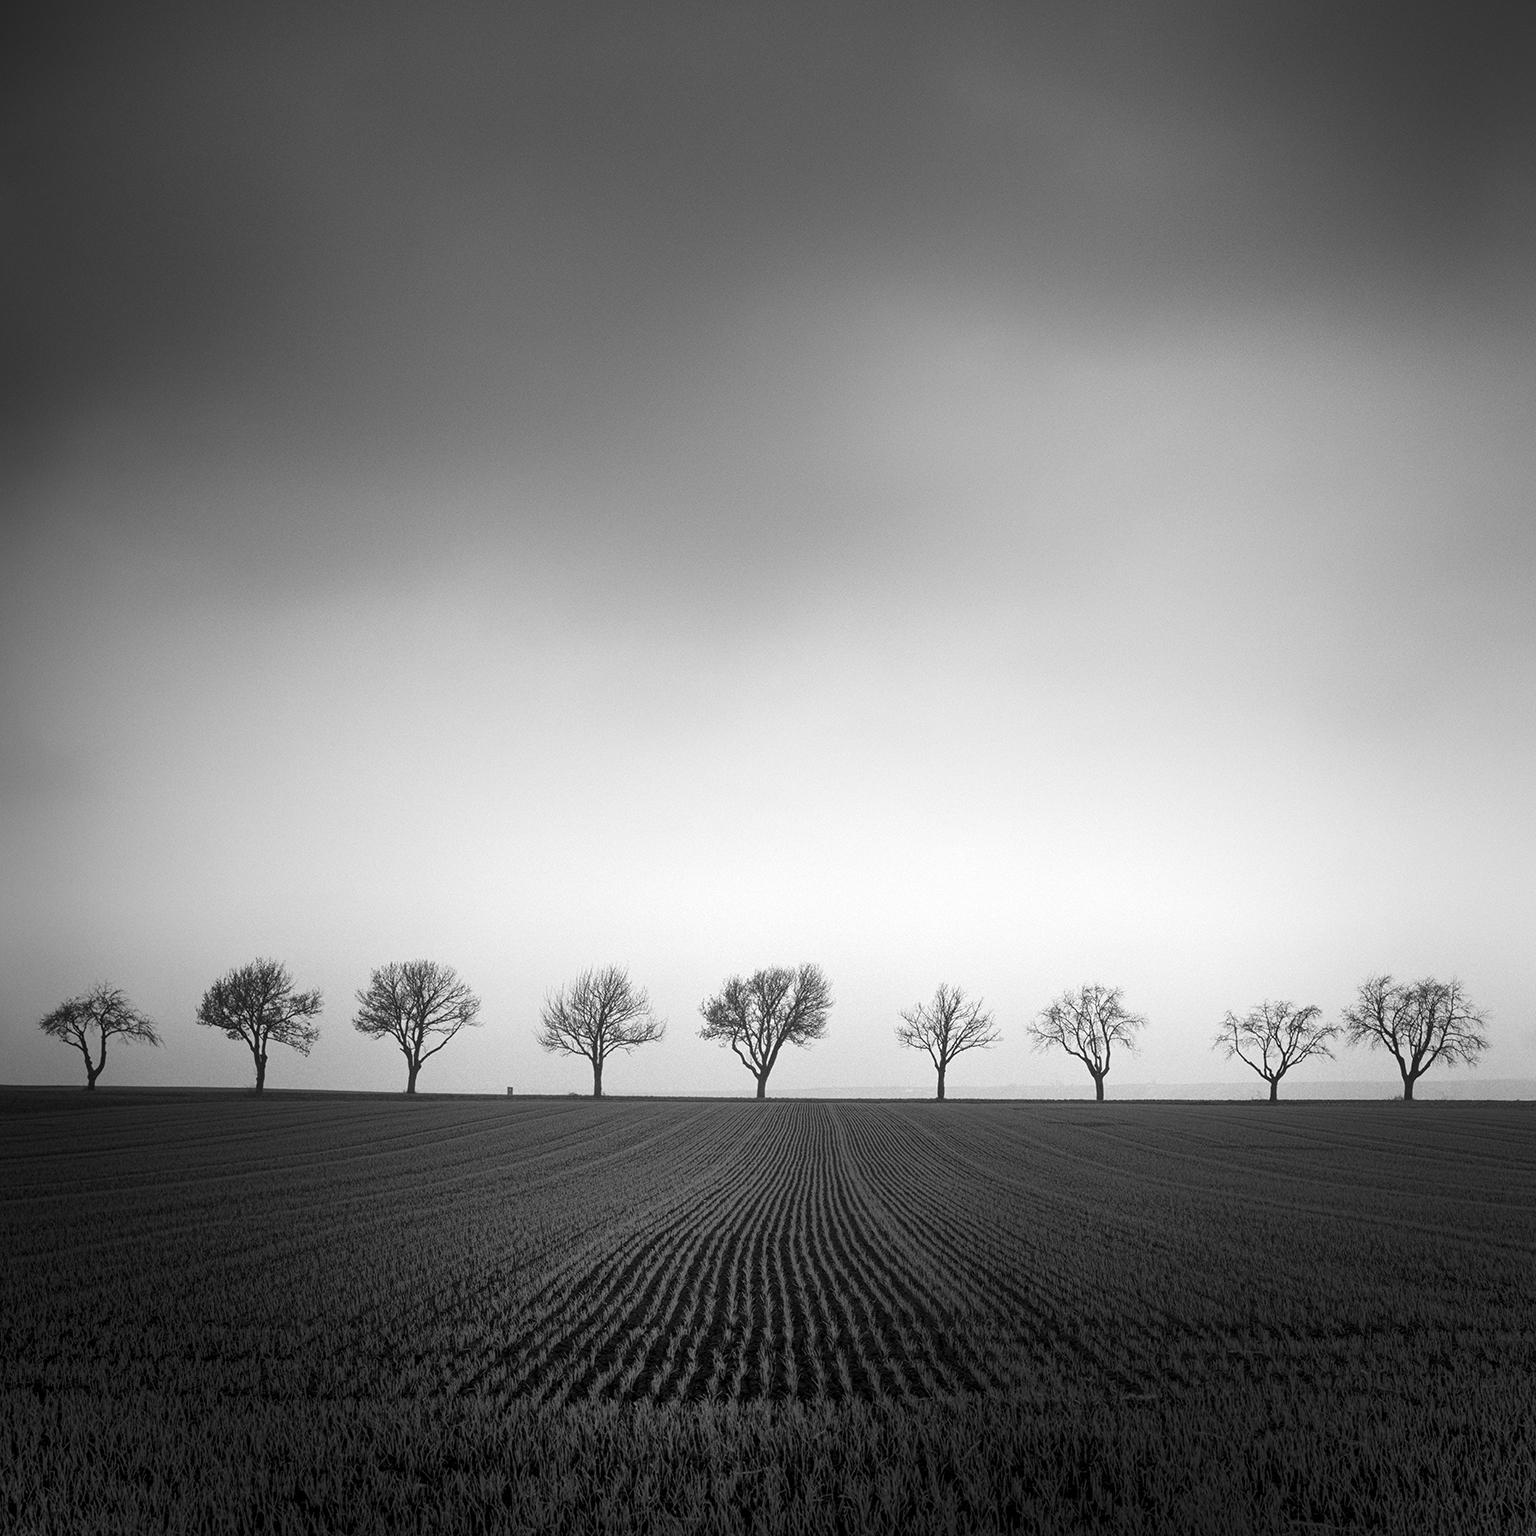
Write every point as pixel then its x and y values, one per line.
pixel 283 271
pixel 383 219
pixel 321 205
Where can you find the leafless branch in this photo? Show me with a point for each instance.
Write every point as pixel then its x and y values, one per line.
pixel 412 1002
pixel 1088 1024
pixel 1419 1023
pixel 756 1016
pixel 947 1026
pixel 599 1013
pixel 256 1003
pixel 1274 1037
pixel 104 1010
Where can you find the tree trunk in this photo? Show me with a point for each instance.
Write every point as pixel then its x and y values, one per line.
pixel 412 1068
pixel 597 1079
pixel 91 1074
pixel 941 1082
pixel 1098 1085
pixel 261 1069
pixel 1274 1090
pixel 762 1085
pixel 1407 1089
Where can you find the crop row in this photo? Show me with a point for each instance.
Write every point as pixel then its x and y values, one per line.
pixel 1022 1308
pixel 812 1251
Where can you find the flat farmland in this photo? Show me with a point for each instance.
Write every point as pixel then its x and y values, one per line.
pixel 313 1312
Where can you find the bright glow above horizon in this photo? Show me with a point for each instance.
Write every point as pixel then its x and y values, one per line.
pixel 975 499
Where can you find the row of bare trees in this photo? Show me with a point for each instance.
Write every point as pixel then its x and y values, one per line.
pixel 1418 1023
pixel 421 1005
pixel 602 1012
pixel 418 1004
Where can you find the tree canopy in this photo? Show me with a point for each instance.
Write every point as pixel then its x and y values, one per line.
pixel 104 1011
pixel 1088 1024
pixel 757 1015
pixel 599 1013
pixel 414 1002
pixel 1274 1037
pixel 256 1003
pixel 1418 1023
pixel 946 1027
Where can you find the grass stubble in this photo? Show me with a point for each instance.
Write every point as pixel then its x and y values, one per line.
pixel 313 1312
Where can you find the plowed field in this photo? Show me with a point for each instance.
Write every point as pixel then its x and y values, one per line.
pixel 313 1312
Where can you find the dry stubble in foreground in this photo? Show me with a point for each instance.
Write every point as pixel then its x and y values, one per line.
pixel 343 1312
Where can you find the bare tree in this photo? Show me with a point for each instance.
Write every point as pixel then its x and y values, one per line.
pixel 1274 1037
pixel 103 1011
pixel 256 1003
pixel 944 1028
pixel 757 1016
pixel 1088 1024
pixel 413 1002
pixel 1419 1022
pixel 597 1014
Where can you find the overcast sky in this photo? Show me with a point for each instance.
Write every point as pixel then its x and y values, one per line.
pixel 1007 495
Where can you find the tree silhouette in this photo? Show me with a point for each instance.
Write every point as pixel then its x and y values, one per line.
pixel 597 1014
pixel 944 1028
pixel 412 1002
pixel 1274 1037
pixel 104 1010
pixel 758 1015
pixel 1419 1022
pixel 1088 1024
pixel 256 1003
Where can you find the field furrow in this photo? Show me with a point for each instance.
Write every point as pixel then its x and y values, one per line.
pixel 570 1252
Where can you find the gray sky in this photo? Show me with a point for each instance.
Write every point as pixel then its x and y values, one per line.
pixel 1014 496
